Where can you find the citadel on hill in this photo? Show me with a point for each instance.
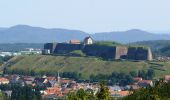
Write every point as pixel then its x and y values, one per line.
pixel 105 50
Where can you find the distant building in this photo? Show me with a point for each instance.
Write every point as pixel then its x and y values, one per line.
pixel 145 83
pixel 167 78
pixel 4 80
pixel 104 51
pixel 74 42
pixel 88 40
pixel 137 79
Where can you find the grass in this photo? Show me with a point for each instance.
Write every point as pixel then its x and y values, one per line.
pixel 84 65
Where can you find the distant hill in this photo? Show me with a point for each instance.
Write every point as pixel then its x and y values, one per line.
pixel 130 36
pixel 29 34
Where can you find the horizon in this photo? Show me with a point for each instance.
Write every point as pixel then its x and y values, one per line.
pixel 151 32
pixel 88 15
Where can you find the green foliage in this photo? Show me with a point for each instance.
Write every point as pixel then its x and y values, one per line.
pixel 22 92
pixel 108 43
pixel 4 59
pixel 114 78
pixel 2 96
pixel 102 94
pixel 165 51
pixel 160 91
pixel 77 53
pixel 149 74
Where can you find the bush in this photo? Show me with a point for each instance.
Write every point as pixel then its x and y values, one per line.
pixel 77 53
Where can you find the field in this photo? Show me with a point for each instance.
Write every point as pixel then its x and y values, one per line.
pixel 84 65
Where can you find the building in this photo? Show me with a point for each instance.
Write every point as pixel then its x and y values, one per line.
pixel 89 48
pixel 167 78
pixel 145 83
pixel 4 80
pixel 88 40
pixel 74 42
pixel 137 79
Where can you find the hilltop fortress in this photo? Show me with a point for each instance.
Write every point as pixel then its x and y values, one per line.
pixel 91 48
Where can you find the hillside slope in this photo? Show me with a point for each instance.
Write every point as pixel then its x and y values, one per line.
pixel 84 65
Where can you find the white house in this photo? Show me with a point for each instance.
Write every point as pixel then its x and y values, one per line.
pixel 88 40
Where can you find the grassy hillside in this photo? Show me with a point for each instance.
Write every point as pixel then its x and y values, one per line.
pixel 84 65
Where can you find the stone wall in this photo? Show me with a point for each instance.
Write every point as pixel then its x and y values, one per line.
pixel 106 52
pixel 121 52
pixel 139 53
pixel 50 46
pixel 64 48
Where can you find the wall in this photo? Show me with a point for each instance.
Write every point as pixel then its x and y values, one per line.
pixel 105 52
pixel 121 52
pixel 139 53
pixel 62 48
pixel 50 46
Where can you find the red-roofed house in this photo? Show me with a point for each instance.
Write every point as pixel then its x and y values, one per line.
pixel 74 42
pixel 4 80
pixel 167 78
pixel 137 79
pixel 145 83
pixel 119 93
pixel 53 90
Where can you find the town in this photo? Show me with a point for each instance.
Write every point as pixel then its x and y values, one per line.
pixel 58 88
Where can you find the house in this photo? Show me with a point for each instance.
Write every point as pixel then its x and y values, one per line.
pixel 13 78
pixel 74 42
pixel 167 78
pixel 137 79
pixel 52 90
pixel 119 94
pixel 145 83
pixel 115 88
pixel 39 81
pixel 7 93
pixel 52 81
pixel 134 87
pixel 88 40
pixel 4 80
pixel 28 80
pixel 51 97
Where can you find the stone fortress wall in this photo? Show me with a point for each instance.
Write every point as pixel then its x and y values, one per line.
pixel 106 52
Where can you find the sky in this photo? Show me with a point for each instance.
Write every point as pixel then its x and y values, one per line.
pixel 88 15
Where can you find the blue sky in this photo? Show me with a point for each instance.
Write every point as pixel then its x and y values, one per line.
pixel 87 15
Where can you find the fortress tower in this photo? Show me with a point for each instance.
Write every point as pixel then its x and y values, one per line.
pixel 149 57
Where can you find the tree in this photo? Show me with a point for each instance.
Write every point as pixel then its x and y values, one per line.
pixel 150 73
pixel 160 91
pixel 81 94
pixel 103 93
